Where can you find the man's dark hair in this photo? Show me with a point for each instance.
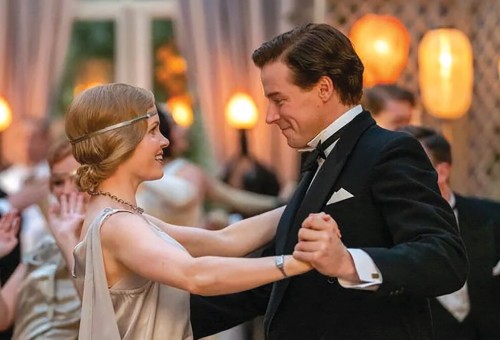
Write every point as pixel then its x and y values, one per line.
pixel 375 98
pixel 434 142
pixel 315 50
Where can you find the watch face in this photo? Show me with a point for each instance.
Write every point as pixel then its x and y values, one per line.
pixel 280 264
pixel 279 261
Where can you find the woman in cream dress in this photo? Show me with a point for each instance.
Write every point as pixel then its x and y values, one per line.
pixel 134 271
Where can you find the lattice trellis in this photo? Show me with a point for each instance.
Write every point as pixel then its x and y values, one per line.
pixel 476 137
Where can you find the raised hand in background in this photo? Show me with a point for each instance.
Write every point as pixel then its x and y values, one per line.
pixel 9 227
pixel 65 222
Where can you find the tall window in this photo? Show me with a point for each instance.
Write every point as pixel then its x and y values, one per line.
pixel 90 59
pixel 130 41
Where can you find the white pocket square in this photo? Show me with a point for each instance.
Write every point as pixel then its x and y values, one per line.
pixel 496 269
pixel 339 195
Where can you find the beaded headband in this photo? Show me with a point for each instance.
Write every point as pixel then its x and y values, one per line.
pixel 112 127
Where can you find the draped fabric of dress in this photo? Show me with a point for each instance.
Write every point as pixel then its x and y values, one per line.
pixel 134 307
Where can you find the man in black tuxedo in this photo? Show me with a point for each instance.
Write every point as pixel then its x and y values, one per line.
pixel 473 312
pixel 399 243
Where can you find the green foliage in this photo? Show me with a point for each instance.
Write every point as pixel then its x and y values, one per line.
pixel 163 34
pixel 89 39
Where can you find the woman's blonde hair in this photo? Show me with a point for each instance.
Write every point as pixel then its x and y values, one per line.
pixel 95 109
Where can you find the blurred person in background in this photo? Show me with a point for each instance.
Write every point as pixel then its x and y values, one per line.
pixel 33 145
pixel 24 187
pixel 390 105
pixel 246 173
pixel 32 176
pixel 28 195
pixel 473 312
pixel 42 301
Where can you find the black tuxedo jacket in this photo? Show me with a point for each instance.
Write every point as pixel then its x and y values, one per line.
pixel 396 215
pixel 479 224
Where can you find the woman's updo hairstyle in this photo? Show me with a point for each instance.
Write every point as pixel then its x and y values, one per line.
pixel 95 109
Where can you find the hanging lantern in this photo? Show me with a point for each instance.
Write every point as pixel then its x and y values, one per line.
pixel 241 112
pixel 383 43
pixel 5 114
pixel 181 110
pixel 446 73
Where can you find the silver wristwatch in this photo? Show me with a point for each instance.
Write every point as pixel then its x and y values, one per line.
pixel 279 261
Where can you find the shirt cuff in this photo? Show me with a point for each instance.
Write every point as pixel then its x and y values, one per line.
pixel 368 272
pixel 5 206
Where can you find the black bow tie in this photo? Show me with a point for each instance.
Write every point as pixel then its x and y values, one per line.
pixel 311 163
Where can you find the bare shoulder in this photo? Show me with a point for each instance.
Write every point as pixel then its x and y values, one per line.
pixel 122 226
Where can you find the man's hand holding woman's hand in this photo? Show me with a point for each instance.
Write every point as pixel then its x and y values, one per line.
pixel 320 244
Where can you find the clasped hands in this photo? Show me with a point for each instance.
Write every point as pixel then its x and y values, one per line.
pixel 320 245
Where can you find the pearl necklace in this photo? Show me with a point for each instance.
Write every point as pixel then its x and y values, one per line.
pixel 133 207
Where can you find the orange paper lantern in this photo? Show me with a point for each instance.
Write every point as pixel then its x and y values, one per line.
pixel 446 73
pixel 382 42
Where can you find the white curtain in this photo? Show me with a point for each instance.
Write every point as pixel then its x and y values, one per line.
pixel 217 37
pixel 34 36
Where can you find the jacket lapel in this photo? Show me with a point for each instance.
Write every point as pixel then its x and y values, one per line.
pixel 291 209
pixel 313 201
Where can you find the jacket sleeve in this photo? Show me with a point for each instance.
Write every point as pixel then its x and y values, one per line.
pixel 428 257
pixel 214 314
pixel 211 315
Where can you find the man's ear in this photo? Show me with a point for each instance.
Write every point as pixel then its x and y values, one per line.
pixel 443 170
pixel 325 88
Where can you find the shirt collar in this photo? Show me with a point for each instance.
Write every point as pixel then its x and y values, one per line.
pixel 453 201
pixel 339 123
